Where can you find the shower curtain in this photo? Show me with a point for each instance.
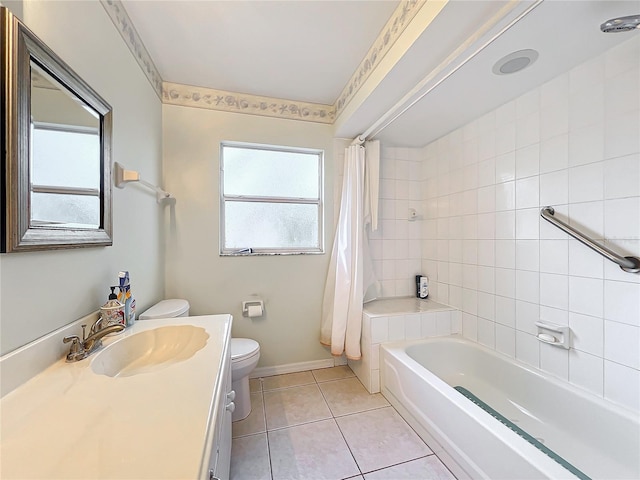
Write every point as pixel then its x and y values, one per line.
pixel 350 273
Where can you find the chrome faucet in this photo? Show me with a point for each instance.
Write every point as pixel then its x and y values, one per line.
pixel 81 349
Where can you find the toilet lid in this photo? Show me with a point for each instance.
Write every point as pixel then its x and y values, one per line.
pixel 243 348
pixel 173 307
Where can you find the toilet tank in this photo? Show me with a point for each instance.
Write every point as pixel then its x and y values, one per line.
pixel 170 308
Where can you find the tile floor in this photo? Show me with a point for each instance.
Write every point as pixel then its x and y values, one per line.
pixel 323 424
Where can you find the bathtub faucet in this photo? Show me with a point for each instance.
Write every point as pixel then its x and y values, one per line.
pixel 81 349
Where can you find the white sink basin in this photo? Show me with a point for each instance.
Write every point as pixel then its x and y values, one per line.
pixel 150 350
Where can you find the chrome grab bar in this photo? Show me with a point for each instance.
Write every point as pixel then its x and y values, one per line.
pixel 628 264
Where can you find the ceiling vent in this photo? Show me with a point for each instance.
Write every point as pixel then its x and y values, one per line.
pixel 514 62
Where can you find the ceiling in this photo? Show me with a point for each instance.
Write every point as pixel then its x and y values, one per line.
pixel 564 33
pixel 291 49
pixel 307 50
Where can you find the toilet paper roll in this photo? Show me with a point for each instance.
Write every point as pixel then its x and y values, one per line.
pixel 254 310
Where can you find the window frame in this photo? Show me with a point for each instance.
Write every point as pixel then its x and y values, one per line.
pixel 249 250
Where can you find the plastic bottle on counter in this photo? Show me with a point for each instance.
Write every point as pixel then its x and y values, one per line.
pixel 422 286
pixel 126 297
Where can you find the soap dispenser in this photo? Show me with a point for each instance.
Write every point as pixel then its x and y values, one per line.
pixel 112 312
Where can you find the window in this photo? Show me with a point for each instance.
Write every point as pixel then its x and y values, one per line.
pixel 65 181
pixel 271 199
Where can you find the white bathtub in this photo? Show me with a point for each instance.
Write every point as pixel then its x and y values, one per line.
pixel 599 439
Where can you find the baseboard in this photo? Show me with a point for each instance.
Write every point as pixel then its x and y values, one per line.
pixel 337 361
pixel 297 367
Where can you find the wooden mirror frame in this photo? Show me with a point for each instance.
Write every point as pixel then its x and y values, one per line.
pixel 19 47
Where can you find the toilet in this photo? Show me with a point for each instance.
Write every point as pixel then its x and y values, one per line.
pixel 171 308
pixel 245 353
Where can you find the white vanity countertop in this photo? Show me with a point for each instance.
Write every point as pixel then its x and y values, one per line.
pixel 69 422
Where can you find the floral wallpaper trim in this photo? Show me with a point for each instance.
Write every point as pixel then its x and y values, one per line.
pixel 404 13
pixel 186 95
pixel 123 23
pixel 211 99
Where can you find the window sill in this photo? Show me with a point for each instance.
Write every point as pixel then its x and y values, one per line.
pixel 267 254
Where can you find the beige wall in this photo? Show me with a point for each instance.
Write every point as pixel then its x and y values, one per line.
pixel 42 291
pixel 291 286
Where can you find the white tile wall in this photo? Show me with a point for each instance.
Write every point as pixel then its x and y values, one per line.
pixel 393 328
pixel 395 246
pixel 572 143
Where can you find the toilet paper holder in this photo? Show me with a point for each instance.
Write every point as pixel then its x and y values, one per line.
pixel 252 303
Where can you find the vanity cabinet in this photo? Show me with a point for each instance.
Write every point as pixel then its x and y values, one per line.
pixel 175 413
pixel 220 460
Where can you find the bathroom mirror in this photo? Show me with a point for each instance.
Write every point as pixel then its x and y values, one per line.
pixel 56 163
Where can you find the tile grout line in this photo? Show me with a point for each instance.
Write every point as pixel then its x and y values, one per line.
pixel 335 418
pixel 299 424
pixel 349 448
pixel 266 429
pixel 316 382
pixel 289 387
pixel 422 440
pixel 399 463
pixel 380 408
pixel 341 434
pixel 395 464
pixel 372 409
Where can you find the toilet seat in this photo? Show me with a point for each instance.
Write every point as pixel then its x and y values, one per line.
pixel 242 348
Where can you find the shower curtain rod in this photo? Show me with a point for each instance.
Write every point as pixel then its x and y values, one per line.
pixel 406 102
